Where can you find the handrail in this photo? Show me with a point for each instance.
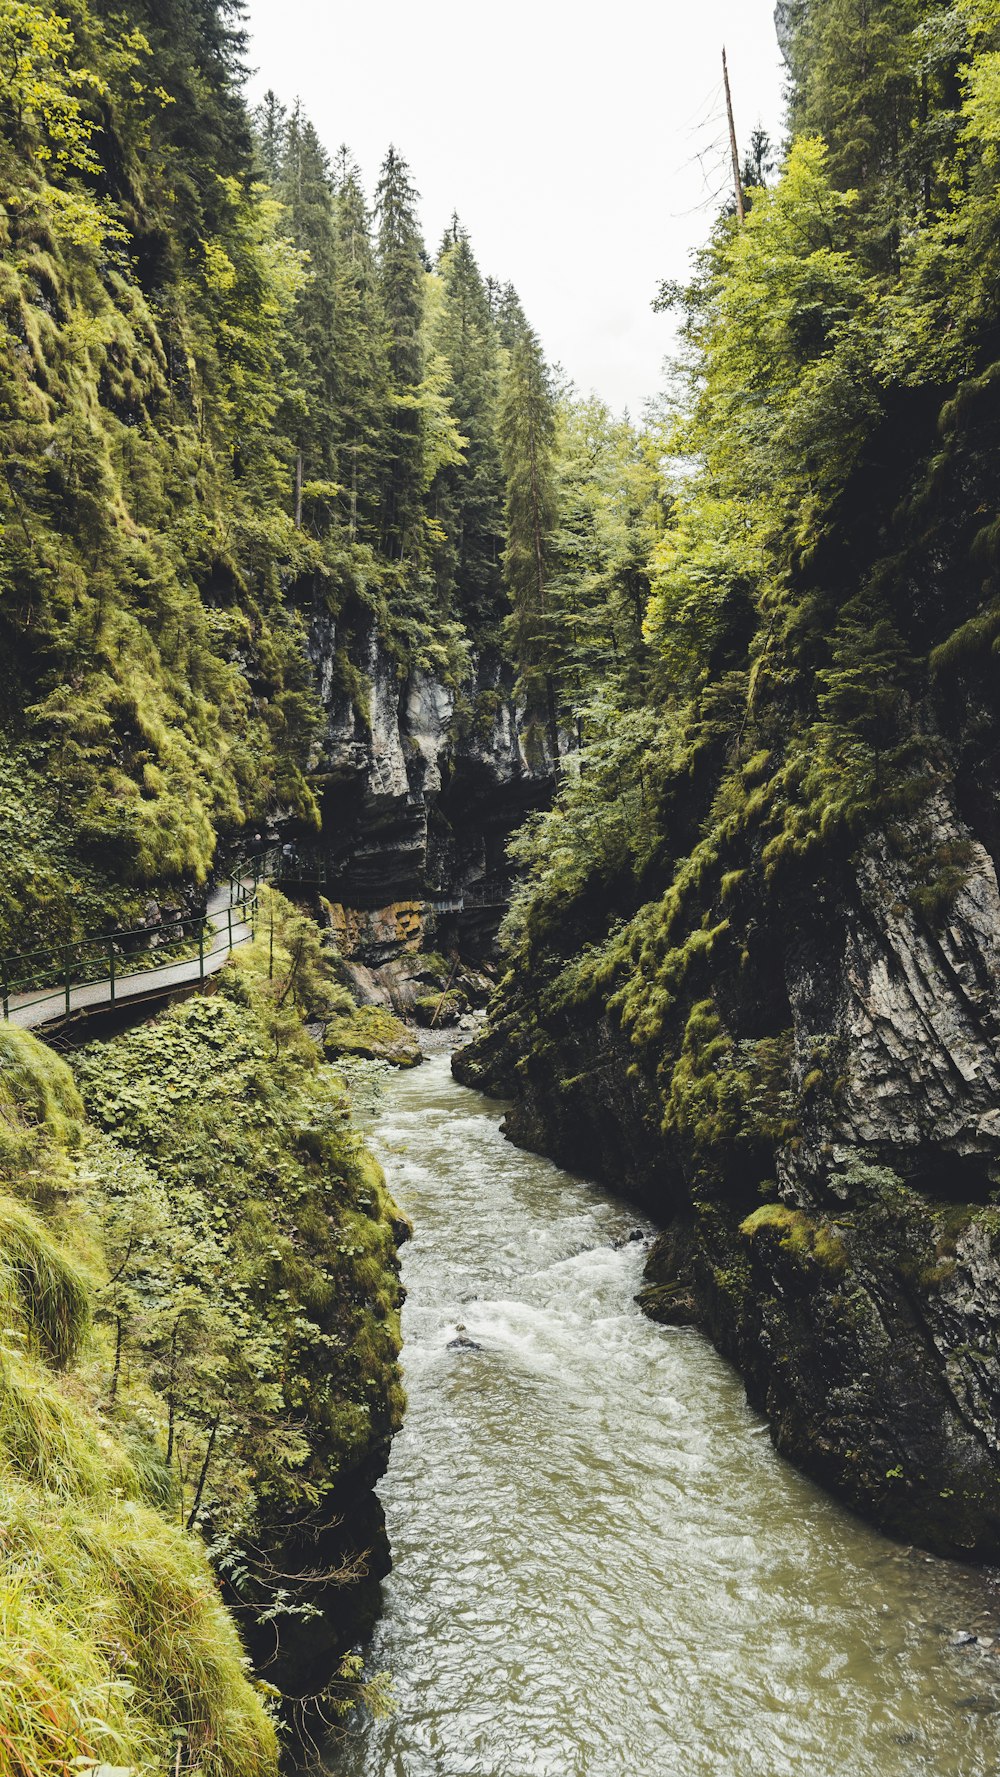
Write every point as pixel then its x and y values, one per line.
pixel 33 978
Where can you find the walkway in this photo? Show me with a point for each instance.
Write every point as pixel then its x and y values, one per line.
pixel 228 923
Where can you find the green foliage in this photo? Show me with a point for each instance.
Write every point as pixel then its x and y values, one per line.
pixel 813 558
pixel 527 442
pixel 229 407
pixel 235 1194
pixel 115 1648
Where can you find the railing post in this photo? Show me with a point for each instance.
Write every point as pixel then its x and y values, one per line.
pixel 229 912
pixel 6 993
pixel 68 961
pixel 201 950
pixel 111 967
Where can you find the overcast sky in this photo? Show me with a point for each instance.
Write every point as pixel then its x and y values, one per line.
pixel 583 146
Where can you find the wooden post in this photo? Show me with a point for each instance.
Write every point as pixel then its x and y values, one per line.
pixel 734 151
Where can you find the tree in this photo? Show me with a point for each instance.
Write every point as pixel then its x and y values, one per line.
pixel 527 436
pixel 271 124
pixel 362 359
pixel 467 497
pixel 401 271
pixel 305 187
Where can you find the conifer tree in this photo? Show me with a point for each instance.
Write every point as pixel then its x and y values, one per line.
pixel 401 274
pixel 527 437
pixel 468 496
pixel 362 396
pixel 271 123
pixel 306 189
pixel 509 316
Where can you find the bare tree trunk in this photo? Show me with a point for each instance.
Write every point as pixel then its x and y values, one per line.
pixel 733 149
pixel 192 1515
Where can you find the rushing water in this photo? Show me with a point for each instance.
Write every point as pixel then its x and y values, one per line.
pixel 601 1568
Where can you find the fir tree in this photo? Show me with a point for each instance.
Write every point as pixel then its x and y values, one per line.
pixel 306 189
pixel 362 397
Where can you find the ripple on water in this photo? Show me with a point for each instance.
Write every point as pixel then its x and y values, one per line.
pixel 601 1569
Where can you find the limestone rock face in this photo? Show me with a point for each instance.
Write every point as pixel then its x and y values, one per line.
pixel 423 781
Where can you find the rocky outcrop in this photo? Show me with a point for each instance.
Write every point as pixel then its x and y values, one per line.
pixel 896 1017
pixel 861 1297
pixel 422 782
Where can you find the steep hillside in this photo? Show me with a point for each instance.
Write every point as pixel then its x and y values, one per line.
pixel 201 1291
pixel 752 975
pixel 255 488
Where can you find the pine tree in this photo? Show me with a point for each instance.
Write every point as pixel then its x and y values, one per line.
pixel 510 318
pixel 527 436
pixel 401 275
pixel 270 121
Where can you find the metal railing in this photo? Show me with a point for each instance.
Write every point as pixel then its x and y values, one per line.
pixel 54 974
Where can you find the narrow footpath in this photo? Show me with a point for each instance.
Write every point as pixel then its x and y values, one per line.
pixel 227 927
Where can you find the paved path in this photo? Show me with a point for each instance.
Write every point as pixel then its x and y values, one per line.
pixel 48 1005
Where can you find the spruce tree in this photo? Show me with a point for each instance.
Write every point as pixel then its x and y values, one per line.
pixel 401 276
pixel 527 440
pixel 306 188
pixel 468 496
pixel 362 395
pixel 509 317
pixel 271 124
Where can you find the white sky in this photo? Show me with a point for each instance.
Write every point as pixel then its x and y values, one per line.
pixel 566 135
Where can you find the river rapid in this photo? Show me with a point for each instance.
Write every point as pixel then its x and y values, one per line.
pixel 600 1566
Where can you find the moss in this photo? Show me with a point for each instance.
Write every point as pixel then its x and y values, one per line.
pixel 115 1648
pixel 440 1009
pixel 374 1034
pixel 803 1236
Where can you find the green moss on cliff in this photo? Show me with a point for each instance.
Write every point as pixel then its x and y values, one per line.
pixel 801 1235
pixel 373 1033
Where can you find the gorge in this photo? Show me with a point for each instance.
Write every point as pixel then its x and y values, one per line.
pixel 676 742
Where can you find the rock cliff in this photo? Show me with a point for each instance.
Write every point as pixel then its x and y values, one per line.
pixel 781 1033
pixel 422 783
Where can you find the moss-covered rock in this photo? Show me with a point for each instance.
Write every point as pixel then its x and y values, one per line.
pixel 438 1010
pixel 373 1033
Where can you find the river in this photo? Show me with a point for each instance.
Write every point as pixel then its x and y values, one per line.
pixel 601 1568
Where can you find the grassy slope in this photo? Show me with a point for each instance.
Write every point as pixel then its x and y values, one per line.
pixel 211 1248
